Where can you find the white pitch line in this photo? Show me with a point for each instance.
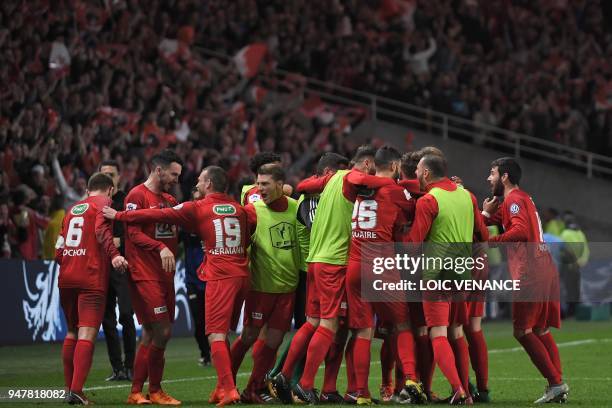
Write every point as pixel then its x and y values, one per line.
pixel 492 351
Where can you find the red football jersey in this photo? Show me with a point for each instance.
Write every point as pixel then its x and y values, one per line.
pixel 521 223
pixel 221 224
pixel 380 218
pixel 85 246
pixel 144 242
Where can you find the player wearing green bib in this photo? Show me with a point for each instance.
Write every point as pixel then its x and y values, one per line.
pixel 288 372
pixel 329 244
pixel 275 261
pixel 447 215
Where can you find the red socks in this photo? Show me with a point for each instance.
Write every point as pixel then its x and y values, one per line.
pixel 238 351
pixel 425 360
pixel 444 357
pixel 462 360
pixel 83 354
pixel 263 359
pixel 387 361
pixel 351 381
pixel 297 350
pixel 361 362
pixel 317 349
pixel 67 359
pixel 333 361
pixel 141 368
pixel 479 357
pixel 553 352
pixel 156 367
pixel 540 358
pixel 223 364
pixel 405 354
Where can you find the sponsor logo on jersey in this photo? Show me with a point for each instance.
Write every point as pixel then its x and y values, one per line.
pixel 160 310
pixel 514 208
pixel 224 209
pixel 282 235
pixel 79 209
pixel 75 252
pixel 257 315
pixel 178 207
pixel 130 206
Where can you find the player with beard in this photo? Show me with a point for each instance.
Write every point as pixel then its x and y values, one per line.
pixel 221 224
pixel 151 249
pixel 250 192
pixel 532 264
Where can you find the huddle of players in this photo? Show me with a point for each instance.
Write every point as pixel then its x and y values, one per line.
pixel 253 254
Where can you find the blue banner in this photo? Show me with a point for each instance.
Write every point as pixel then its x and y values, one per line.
pixel 30 304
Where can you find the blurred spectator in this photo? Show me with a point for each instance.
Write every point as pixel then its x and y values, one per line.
pixel 576 256
pixel 7 229
pixel 552 222
pixel 82 82
pixel 29 225
pixel 56 218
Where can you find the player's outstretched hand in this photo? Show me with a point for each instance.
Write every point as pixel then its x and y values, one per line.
pixel 490 204
pixel 167 258
pixel 120 263
pixel 109 213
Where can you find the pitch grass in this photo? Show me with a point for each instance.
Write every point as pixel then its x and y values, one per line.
pixel 586 352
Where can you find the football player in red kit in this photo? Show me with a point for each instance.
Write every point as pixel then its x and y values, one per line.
pixel 83 250
pixel 532 264
pixel 378 218
pixel 221 223
pixel 150 249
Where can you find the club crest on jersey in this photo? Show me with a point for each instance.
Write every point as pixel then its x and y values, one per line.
pixel 514 209
pixel 79 209
pixel 282 235
pixel 224 209
pixel 253 198
pixel 130 206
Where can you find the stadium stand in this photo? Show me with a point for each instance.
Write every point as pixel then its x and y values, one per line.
pixel 82 82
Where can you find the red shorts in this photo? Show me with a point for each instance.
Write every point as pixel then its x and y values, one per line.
pixel 312 297
pixel 417 316
pixel 223 302
pixel 82 307
pixel 361 313
pixel 440 313
pixel 329 283
pixel 273 309
pixel 153 301
pixel 527 315
pixel 475 308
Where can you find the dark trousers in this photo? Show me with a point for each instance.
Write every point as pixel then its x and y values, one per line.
pixel 299 309
pixel 197 305
pixel 118 293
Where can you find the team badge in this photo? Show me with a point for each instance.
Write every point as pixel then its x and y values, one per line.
pixel 514 209
pixel 79 209
pixel 130 206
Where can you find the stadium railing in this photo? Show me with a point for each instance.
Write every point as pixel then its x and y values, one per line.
pixel 451 126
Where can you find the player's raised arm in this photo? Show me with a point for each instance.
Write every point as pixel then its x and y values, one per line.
pixel 519 225
pixel 358 178
pixel 313 184
pixel 181 214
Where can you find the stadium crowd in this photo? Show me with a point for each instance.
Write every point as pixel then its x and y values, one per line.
pixel 85 82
